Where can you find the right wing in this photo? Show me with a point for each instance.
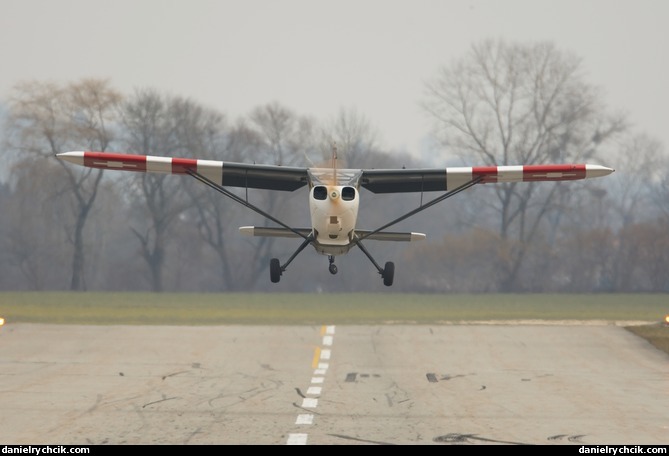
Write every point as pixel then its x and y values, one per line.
pixel 228 174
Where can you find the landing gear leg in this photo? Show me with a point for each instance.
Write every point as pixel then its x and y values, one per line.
pixel 333 267
pixel 276 268
pixel 387 273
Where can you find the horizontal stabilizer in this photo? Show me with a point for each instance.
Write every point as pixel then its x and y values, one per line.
pixel 390 236
pixel 273 232
pixel 362 234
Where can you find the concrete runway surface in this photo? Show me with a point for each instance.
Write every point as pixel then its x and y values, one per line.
pixel 562 384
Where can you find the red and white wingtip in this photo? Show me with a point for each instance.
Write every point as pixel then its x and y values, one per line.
pixel 530 173
pixel 145 163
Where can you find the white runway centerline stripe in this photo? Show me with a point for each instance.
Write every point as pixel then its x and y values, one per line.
pixel 320 370
pixel 309 402
pixel 305 418
pixel 297 439
pixel 314 390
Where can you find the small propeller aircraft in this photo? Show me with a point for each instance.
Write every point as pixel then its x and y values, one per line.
pixel 334 194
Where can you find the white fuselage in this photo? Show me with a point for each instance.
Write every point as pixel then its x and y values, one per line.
pixel 334 212
pixel 333 204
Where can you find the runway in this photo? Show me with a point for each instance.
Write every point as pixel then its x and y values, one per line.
pixel 467 384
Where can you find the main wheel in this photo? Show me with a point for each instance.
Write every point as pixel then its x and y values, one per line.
pixel 388 273
pixel 274 270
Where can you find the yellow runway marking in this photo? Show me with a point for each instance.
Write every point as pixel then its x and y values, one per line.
pixel 317 356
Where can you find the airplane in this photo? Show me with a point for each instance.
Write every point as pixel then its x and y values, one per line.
pixel 334 194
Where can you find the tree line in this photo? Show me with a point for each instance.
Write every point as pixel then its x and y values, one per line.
pixel 65 227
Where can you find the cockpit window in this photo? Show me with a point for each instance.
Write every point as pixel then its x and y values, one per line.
pixel 320 192
pixel 328 176
pixel 348 193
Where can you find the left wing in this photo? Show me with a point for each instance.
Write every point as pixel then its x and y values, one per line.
pixel 442 179
pixel 289 178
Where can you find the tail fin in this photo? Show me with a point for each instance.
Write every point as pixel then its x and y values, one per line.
pixel 334 163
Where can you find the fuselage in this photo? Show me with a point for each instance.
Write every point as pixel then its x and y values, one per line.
pixel 334 200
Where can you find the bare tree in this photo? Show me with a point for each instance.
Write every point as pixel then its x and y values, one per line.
pixel 156 124
pixel 660 195
pixel 281 138
pixel 640 173
pixel 212 211
pixel 29 242
pixel 506 104
pixel 354 138
pixel 47 118
pixel 285 137
pixel 633 198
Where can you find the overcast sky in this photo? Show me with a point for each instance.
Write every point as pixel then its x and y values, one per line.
pixel 316 57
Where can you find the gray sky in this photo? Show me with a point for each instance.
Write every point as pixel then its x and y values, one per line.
pixel 316 57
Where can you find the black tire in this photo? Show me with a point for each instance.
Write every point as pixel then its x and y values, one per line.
pixel 274 270
pixel 388 273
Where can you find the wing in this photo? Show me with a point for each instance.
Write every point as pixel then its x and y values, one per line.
pixel 287 178
pixel 429 180
pixel 227 174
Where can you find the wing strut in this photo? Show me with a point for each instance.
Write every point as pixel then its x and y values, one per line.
pixel 276 269
pixel 245 203
pixel 422 207
pixel 388 271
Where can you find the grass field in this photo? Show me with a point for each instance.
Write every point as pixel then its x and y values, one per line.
pixel 337 308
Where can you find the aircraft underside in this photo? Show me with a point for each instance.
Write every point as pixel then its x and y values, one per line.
pixel 276 269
